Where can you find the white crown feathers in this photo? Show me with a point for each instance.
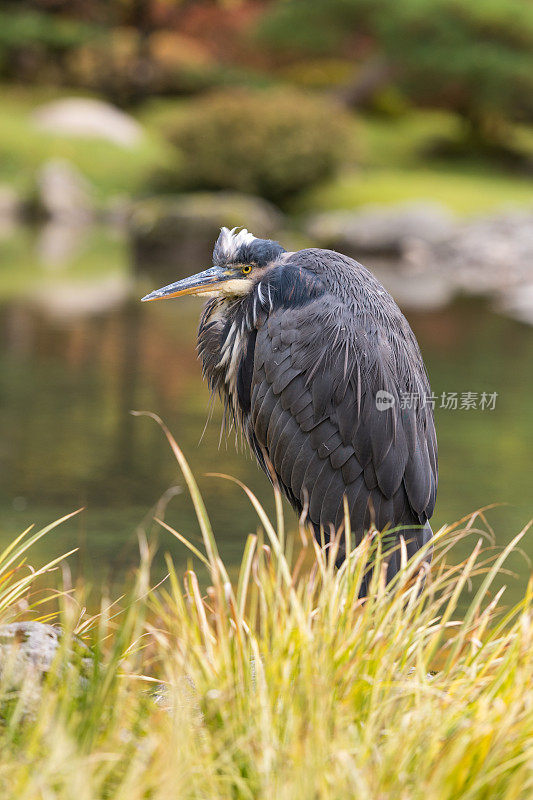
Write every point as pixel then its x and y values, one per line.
pixel 230 241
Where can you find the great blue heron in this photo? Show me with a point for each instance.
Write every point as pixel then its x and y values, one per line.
pixel 319 367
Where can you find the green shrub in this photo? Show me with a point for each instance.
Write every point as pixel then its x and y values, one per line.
pixel 273 143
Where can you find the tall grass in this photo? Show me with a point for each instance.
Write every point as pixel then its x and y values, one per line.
pixel 285 685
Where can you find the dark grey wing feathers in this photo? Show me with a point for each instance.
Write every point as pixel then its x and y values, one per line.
pixel 351 469
pixel 313 410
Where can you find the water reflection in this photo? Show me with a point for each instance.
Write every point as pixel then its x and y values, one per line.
pixel 78 352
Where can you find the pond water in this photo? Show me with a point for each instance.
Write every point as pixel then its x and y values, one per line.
pixel 78 351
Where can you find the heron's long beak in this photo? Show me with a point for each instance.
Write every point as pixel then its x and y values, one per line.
pixel 197 284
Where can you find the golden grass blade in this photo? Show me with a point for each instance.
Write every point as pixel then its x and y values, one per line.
pixel 184 541
pixel 12 592
pixel 245 572
pixel 480 594
pixel 263 517
pixel 13 552
pixel 199 506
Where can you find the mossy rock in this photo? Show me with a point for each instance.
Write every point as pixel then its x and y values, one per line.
pixel 29 651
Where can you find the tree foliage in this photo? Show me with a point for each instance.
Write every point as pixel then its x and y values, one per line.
pixel 474 56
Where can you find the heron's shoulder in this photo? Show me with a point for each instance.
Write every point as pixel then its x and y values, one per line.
pixel 321 258
pixel 339 272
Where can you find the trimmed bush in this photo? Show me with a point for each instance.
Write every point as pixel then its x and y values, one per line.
pixel 272 143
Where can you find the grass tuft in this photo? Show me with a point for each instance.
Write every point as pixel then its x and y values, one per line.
pixel 287 685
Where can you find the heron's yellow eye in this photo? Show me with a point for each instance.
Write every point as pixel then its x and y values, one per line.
pixel 246 269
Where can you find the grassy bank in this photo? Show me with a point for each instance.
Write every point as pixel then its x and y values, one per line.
pixel 283 685
pixel 470 191
pixel 111 169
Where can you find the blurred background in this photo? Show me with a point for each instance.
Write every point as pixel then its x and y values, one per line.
pixel 131 130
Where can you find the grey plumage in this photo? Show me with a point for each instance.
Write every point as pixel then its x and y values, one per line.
pixel 298 358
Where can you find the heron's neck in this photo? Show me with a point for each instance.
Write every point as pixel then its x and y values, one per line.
pixel 222 334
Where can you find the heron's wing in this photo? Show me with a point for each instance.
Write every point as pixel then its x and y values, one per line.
pixel 313 413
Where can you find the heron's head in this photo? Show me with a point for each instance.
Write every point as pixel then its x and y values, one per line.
pixel 239 260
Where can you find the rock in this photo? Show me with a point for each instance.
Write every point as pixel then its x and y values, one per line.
pixel 490 254
pixel 27 648
pixel 27 652
pixel 63 193
pixel 81 116
pixel 517 303
pixel 380 229
pixel 117 211
pixel 74 299
pixel 412 290
pixel 11 209
pixel 176 233
pixel 177 698
pixel 11 205
pixel 59 243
